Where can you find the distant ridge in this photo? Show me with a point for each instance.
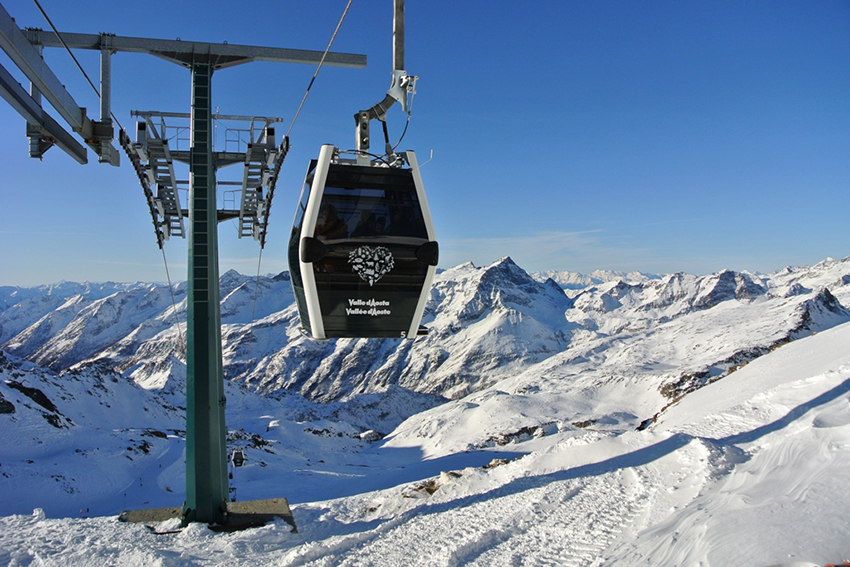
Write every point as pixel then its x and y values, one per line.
pixel 575 280
pixel 486 324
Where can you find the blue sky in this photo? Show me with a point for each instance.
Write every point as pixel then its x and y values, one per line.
pixel 652 136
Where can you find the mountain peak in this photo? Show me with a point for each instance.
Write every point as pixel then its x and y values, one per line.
pixel 485 323
pixel 504 260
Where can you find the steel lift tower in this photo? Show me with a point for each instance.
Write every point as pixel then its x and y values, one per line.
pixel 206 454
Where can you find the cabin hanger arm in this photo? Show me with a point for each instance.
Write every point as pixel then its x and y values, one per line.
pixel 402 89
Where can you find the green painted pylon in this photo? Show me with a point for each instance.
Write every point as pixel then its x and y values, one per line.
pixel 206 458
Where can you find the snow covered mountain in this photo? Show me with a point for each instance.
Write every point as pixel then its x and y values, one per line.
pixel 21 307
pixel 685 420
pixel 575 280
pixel 486 323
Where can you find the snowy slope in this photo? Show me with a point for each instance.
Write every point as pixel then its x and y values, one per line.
pixel 22 307
pixel 73 440
pixel 637 349
pixel 751 470
pixel 520 359
pixel 486 323
pixel 91 439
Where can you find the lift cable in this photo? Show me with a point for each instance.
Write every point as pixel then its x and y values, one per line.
pixel 260 257
pixel 182 344
pixel 307 92
pixel 71 53
pixel 403 132
pixel 407 122
pixel 253 319
pixel 248 358
pixel 256 294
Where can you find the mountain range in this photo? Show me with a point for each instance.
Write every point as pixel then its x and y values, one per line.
pixel 636 403
pixel 485 324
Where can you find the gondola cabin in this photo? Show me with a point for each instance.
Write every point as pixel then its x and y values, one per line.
pixel 362 254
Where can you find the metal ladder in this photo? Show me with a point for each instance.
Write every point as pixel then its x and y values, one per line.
pixel 250 208
pixel 160 170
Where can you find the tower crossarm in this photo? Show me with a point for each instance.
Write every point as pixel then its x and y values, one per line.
pixel 220 55
pixel 151 159
pixel 276 161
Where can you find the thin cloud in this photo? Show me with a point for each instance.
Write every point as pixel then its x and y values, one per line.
pixel 555 250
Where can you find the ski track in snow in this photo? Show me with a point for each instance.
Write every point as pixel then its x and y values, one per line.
pixel 569 517
pixel 792 471
pixel 569 524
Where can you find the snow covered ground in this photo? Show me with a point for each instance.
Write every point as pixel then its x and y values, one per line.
pixel 750 470
pixel 680 420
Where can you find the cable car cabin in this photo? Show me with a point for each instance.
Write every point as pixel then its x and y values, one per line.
pixel 362 254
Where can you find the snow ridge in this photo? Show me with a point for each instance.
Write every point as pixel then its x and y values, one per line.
pixel 683 420
pixel 486 324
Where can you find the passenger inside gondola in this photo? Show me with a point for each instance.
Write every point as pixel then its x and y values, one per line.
pixel 367 226
pixel 403 223
pixel 330 226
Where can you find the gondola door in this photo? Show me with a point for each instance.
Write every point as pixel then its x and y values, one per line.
pixel 362 252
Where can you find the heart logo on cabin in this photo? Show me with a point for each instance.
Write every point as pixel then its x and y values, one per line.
pixel 371 264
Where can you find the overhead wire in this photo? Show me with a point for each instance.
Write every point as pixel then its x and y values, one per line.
pixel 294 118
pixel 407 122
pixel 182 344
pixel 403 132
pixel 71 53
pixel 251 329
pixel 318 68
pixel 292 124
pixel 260 257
